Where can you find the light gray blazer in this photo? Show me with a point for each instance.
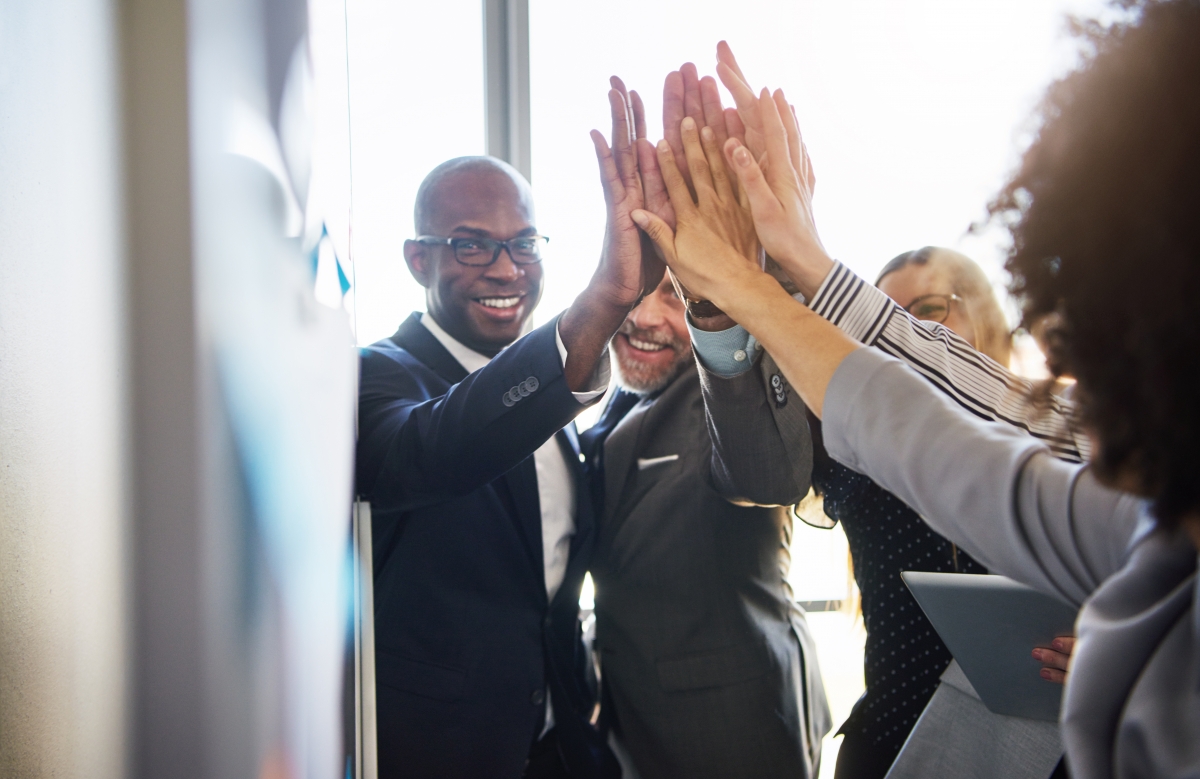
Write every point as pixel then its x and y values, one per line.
pixel 709 664
pixel 1132 702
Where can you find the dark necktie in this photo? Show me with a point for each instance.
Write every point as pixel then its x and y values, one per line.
pixel 591 442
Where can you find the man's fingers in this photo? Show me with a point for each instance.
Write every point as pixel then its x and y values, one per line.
pixel 610 179
pixel 659 232
pixel 639 115
pixel 677 188
pixel 697 162
pixel 716 165
pixel 714 113
pixel 622 137
pixel 734 126
pixel 673 113
pixel 1054 675
pixel 693 106
pixel 754 188
pixel 616 83
pixel 657 199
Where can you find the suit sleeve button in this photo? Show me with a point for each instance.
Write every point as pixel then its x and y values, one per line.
pixel 537 697
pixel 532 383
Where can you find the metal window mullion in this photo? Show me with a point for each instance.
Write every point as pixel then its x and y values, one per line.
pixel 506 81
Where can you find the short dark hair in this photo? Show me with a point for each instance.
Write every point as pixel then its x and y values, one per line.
pixel 1104 214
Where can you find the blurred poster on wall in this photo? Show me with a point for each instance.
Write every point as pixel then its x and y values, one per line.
pixel 270 155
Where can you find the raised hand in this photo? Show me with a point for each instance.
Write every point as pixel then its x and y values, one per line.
pixel 625 271
pixel 780 197
pixel 685 94
pixel 731 76
pixel 713 241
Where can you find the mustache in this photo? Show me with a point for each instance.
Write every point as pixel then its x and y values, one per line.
pixel 665 338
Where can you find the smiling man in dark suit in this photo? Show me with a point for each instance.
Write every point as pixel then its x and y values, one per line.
pixel 709 669
pixel 467 452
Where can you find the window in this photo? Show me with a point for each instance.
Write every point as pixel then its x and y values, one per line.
pixel 416 99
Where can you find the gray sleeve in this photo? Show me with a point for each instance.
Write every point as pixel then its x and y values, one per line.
pixel 995 491
pixel 762 451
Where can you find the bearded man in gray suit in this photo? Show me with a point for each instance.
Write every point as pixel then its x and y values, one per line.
pixel 708 668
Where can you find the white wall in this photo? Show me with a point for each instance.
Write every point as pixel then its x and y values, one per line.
pixel 62 375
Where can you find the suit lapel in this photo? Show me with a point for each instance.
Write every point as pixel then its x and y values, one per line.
pixel 414 338
pixel 517 489
pixel 619 451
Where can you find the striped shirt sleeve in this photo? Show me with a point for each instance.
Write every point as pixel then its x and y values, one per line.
pixel 973 380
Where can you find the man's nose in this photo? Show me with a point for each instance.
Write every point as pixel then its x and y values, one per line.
pixel 504 269
pixel 650 313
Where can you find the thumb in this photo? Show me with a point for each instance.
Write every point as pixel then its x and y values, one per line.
pixel 758 192
pixel 659 232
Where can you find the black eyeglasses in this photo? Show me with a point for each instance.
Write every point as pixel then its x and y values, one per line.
pixel 479 252
pixel 932 308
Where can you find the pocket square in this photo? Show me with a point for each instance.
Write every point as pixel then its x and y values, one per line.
pixel 650 462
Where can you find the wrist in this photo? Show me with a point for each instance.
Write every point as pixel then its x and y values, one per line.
pixel 712 324
pixel 807 267
pixel 750 293
pixel 599 307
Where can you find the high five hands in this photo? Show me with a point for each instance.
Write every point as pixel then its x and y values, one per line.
pixel 774 184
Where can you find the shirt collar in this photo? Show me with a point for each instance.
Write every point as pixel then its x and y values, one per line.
pixel 468 358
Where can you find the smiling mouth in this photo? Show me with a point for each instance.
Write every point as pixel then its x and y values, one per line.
pixel 645 346
pixel 499 304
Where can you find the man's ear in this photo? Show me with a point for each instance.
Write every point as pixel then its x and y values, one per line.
pixel 420 264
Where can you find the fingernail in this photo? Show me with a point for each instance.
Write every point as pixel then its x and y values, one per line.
pixel 742 157
pixel 663 145
pixel 689 123
pixel 1057 644
pixel 639 218
pixel 707 134
pixel 1037 653
pixel 1045 673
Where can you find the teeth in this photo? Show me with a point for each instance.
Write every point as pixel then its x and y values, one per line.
pixel 499 302
pixel 646 346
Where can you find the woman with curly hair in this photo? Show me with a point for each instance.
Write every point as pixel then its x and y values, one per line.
pixel 1105 235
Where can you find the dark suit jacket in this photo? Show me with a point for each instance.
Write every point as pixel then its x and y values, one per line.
pixel 466 642
pixel 707 661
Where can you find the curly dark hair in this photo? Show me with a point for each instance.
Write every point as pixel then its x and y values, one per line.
pixel 1104 214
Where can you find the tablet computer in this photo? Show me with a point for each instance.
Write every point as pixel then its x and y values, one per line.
pixel 991 625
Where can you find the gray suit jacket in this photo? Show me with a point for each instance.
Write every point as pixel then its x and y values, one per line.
pixel 706 659
pixel 762 448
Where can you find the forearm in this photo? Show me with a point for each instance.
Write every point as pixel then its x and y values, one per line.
pixel 974 381
pixel 414 449
pixel 586 329
pixel 807 348
pixel 994 491
pixel 760 456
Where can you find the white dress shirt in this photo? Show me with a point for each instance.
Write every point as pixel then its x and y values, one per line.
pixel 556 486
